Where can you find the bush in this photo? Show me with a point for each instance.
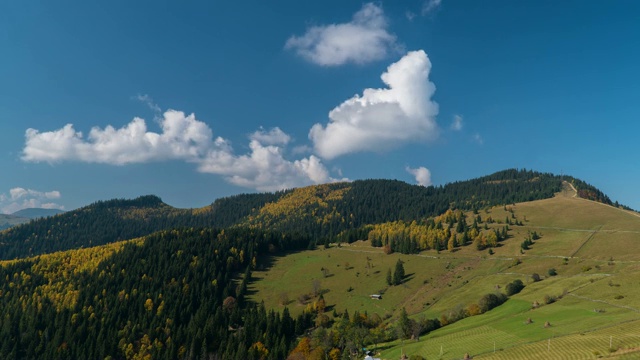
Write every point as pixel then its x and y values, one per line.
pixel 549 299
pixel 514 287
pixel 490 301
pixel 535 277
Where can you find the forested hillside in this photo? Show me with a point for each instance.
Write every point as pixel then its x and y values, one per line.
pixel 343 209
pixel 325 213
pixel 169 296
pixel 97 224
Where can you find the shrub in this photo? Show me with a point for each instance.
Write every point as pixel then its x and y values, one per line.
pixel 618 297
pixel 535 277
pixel 514 287
pixel 490 301
pixel 549 299
pixel 552 272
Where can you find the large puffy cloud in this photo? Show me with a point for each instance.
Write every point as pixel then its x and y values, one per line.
pixel 383 118
pixel 183 137
pixel 264 168
pixel 21 198
pixel 364 39
pixel 422 175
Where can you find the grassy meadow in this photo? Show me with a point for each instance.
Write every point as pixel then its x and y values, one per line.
pixel 590 245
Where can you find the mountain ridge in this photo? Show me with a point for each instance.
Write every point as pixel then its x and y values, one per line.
pixel 326 213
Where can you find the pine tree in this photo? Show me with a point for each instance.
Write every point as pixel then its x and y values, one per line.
pixel 398 274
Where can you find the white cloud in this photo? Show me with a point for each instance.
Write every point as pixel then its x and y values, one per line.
pixel 422 175
pixel 457 123
pixel 20 198
pixel 429 6
pixel 364 39
pixel 273 137
pixel 182 138
pixel 264 168
pixel 383 118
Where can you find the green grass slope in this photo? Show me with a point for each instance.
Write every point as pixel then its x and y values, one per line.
pixel 591 245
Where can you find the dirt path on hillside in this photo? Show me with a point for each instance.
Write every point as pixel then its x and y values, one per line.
pixel 574 194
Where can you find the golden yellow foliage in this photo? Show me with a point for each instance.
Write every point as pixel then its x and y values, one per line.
pixel 60 268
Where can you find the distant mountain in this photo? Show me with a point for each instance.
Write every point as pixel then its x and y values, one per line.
pixel 7 221
pixel 35 213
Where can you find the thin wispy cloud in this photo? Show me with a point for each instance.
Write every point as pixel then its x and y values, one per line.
pixel 362 40
pixel 182 137
pixel 429 6
pixel 421 174
pixel 148 100
pixel 457 123
pixel 381 119
pixel 477 138
pixel 20 198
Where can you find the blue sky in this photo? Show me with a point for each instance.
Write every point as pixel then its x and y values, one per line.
pixel 197 101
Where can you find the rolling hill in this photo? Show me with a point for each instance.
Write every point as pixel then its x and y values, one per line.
pixel 233 280
pixel 24 216
pixel 592 294
pixel 35 213
pixel 7 221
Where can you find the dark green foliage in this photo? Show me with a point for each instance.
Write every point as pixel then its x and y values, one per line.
pixel 169 290
pixel 97 224
pixel 514 287
pixel 490 301
pixel 404 326
pixel 229 211
pixel 398 273
pixel 378 201
pixel 552 272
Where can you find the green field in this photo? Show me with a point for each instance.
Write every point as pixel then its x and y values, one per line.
pixel 586 242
